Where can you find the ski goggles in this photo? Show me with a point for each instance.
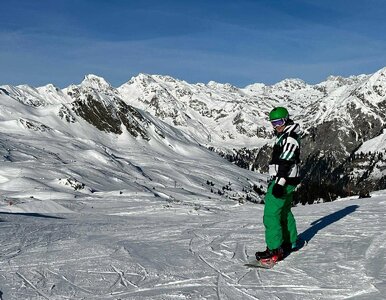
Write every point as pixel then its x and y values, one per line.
pixel 278 123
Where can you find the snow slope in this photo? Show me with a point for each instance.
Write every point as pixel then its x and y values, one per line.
pixel 136 246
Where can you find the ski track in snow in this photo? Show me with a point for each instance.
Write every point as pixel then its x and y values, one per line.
pixel 149 255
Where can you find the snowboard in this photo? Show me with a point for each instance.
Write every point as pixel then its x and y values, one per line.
pixel 269 264
pixel 259 264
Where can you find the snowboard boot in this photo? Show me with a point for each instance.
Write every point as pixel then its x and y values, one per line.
pixel 276 255
pixel 270 255
pixel 261 254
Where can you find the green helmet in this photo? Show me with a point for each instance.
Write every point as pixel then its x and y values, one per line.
pixel 278 113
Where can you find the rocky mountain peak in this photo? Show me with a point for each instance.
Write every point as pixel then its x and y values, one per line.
pixel 256 88
pixel 143 79
pixel 290 84
pixel 95 82
pixel 222 86
pixel 375 87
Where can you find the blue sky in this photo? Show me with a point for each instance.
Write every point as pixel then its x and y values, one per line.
pixel 240 42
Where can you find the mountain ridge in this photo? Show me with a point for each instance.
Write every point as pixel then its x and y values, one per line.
pixel 337 115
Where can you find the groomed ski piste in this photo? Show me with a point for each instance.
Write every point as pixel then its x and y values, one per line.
pixel 177 253
pixel 153 230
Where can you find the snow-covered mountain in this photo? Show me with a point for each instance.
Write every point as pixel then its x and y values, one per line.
pixel 86 138
pixel 213 114
pixel 337 125
pixel 337 115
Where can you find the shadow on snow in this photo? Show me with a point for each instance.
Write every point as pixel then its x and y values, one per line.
pixel 30 215
pixel 320 224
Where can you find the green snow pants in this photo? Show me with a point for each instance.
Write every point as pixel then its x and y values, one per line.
pixel 279 222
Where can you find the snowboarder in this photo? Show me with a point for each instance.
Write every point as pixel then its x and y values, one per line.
pixel 280 226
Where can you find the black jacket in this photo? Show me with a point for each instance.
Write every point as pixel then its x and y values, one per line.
pixel 284 164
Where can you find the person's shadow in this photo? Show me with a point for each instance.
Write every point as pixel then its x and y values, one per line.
pixel 320 224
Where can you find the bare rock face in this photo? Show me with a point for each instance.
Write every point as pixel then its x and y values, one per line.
pixel 99 105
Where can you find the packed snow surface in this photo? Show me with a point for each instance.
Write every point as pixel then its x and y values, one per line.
pixel 137 246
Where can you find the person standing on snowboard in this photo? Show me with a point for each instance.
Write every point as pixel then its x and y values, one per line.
pixel 280 226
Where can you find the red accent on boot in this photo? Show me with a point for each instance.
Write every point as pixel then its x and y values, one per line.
pixel 277 255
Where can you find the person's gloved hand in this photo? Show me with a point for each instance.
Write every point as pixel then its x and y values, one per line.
pixel 278 190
